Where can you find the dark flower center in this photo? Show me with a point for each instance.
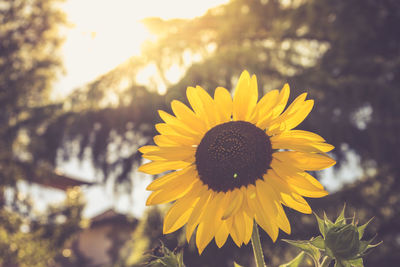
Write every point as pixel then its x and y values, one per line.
pixel 233 154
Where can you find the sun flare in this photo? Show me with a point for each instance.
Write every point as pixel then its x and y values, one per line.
pixel 103 34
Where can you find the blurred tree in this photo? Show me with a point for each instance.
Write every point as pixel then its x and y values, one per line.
pixel 29 63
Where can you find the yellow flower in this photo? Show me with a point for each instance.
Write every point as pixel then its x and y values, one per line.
pixel 233 162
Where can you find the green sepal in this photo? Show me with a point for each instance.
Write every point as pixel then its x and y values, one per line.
pixel 340 220
pixel 350 263
pixel 365 245
pixel 169 259
pixel 361 228
pixel 355 263
pixel 374 245
pixel 295 262
pixel 353 221
pixel 306 246
pixel 321 225
pixel 328 223
pixel 318 242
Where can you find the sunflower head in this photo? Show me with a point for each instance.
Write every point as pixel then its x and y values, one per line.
pixel 233 154
pixel 234 162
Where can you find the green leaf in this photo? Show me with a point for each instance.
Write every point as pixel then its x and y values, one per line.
pixel 361 228
pixel 339 264
pixel 236 264
pixel 295 262
pixel 341 220
pixel 306 246
pixel 321 225
pixel 318 242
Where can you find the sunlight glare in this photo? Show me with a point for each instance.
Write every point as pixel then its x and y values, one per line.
pixel 106 33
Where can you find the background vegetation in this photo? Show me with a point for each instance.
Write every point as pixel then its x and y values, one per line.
pixel 346 54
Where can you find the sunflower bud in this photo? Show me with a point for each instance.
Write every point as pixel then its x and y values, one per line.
pixel 343 241
pixel 339 241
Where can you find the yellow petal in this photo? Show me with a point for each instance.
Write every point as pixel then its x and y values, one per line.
pixel 303 135
pixel 245 97
pixel 157 167
pixel 162 140
pixel 224 202
pixel 245 205
pixel 183 140
pixel 305 161
pixel 182 153
pixel 283 221
pixel 281 102
pixel 177 216
pixel 197 213
pixel 195 102
pixel 288 197
pixel 206 229
pixel 271 201
pixel 248 221
pixel 234 205
pixel 180 212
pixel 173 178
pixel 264 108
pixel 165 129
pixel 209 106
pixel 290 120
pixel 266 201
pixel 166 195
pixel 301 144
pixel 187 116
pixel 261 217
pixel 298 180
pixel 145 149
pixel 203 105
pixel 239 227
pixel 173 140
pixel 221 235
pixel 233 231
pixel 178 126
pixel 223 101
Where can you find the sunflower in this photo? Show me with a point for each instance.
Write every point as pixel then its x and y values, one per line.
pixel 234 162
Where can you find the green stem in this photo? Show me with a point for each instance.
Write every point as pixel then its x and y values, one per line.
pixel 257 249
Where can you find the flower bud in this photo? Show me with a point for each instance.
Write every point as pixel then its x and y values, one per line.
pixel 343 241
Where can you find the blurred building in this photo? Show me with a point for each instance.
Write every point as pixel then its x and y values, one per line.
pixel 100 244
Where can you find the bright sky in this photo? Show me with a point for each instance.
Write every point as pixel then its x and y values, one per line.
pixel 105 33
